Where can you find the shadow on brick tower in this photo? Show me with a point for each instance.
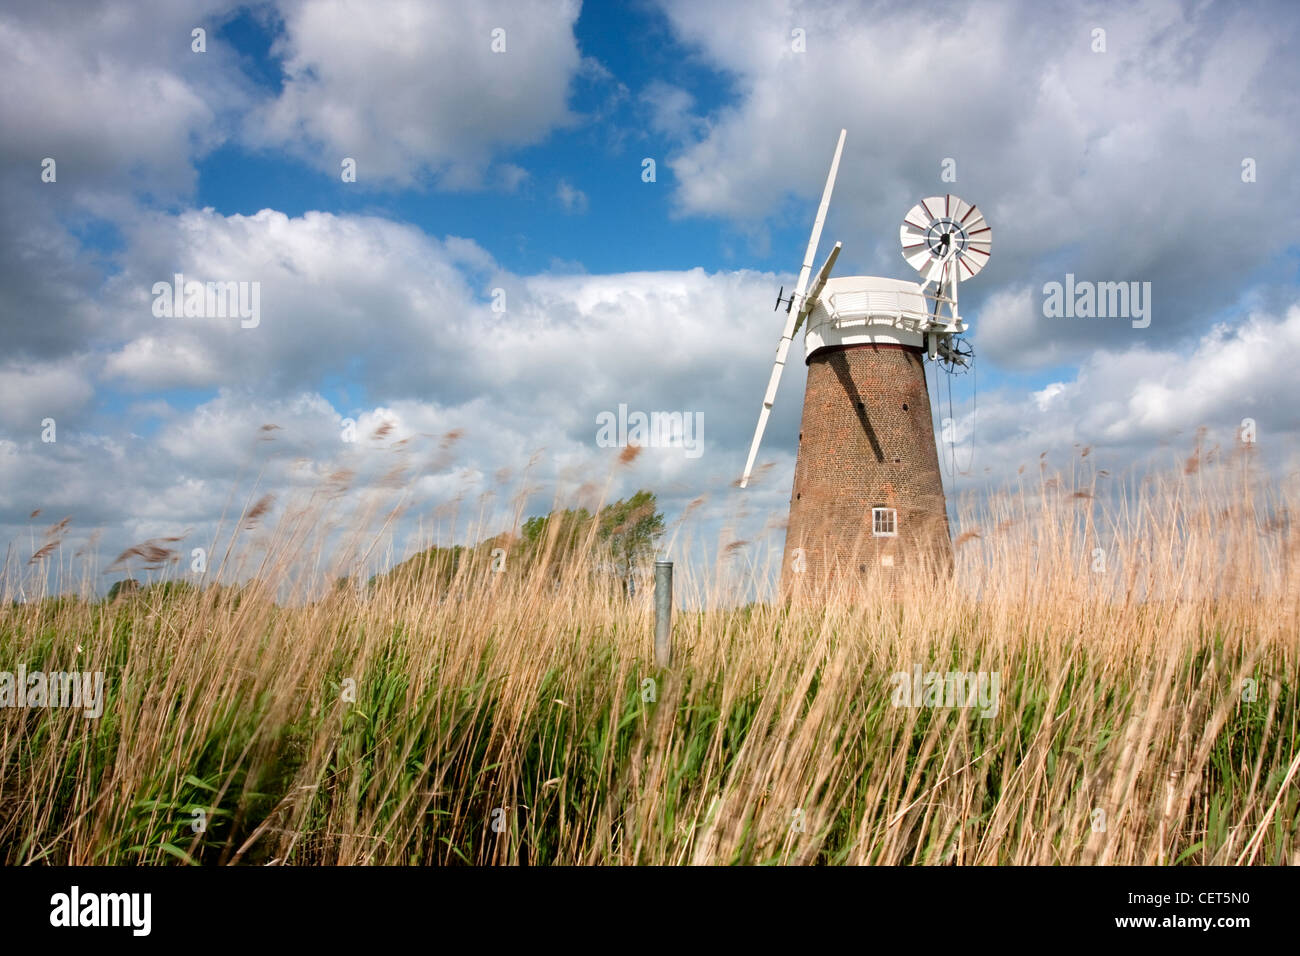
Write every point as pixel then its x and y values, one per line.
pixel 867 508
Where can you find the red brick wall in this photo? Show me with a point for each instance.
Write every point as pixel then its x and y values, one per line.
pixel 866 440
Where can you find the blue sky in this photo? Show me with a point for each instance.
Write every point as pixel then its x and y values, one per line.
pixel 528 230
pixel 522 171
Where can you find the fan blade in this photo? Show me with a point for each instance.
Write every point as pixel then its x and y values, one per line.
pixel 821 218
pixel 819 283
pixel 783 348
pixel 753 448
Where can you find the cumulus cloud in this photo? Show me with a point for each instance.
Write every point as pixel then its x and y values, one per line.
pixel 30 393
pixel 528 385
pixel 363 296
pixel 415 90
pixel 671 110
pixel 407 321
pixel 122 113
pixel 1114 166
pixel 407 316
pixel 149 362
pixel 1132 404
pixel 412 91
pixel 1009 327
pixel 113 104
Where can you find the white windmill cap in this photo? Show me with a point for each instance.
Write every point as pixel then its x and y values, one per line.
pixel 861 310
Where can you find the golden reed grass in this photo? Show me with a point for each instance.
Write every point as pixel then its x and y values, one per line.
pixel 1145 638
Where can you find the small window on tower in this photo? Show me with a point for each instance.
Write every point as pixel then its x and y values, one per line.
pixel 884 522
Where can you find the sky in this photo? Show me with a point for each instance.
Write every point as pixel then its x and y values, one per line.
pixel 448 214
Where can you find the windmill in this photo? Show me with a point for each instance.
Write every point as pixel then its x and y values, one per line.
pixel 868 495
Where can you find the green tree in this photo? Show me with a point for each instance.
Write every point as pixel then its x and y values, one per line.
pixel 568 527
pixel 124 587
pixel 621 537
pixel 631 529
pixel 168 590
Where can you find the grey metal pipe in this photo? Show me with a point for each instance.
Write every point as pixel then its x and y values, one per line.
pixel 663 613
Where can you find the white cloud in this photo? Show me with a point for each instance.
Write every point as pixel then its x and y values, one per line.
pixel 511 177
pixel 1121 166
pixel 572 199
pixel 1009 328
pixel 149 362
pixel 121 111
pixel 30 393
pixel 1044 399
pixel 672 110
pixel 1128 404
pixel 412 89
pixel 1115 166
pixel 114 104
pixel 533 380
pixel 407 319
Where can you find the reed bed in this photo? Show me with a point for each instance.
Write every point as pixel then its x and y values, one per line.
pixel 1146 711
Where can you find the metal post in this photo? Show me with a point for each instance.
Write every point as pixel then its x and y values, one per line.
pixel 663 613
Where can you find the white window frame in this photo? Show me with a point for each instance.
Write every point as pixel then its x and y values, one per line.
pixel 879 513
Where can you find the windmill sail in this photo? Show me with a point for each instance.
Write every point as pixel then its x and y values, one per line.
pixel 795 315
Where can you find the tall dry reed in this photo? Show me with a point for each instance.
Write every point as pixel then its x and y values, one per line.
pixel 1144 639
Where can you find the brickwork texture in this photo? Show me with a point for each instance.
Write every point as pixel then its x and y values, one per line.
pixel 866 441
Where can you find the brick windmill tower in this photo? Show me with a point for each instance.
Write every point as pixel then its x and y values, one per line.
pixel 867 504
